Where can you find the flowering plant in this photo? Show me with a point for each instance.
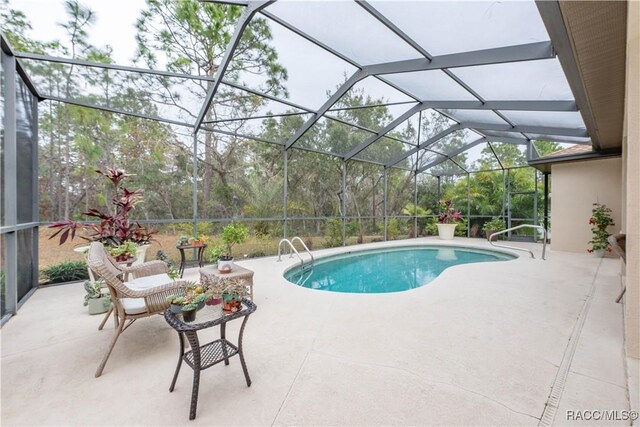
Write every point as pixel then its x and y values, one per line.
pixel 600 220
pixel 448 213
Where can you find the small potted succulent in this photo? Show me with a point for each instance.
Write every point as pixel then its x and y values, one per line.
pixel 188 303
pixel 96 301
pixel 496 224
pixel 232 234
pixel 600 220
pixel 183 241
pixel 213 288
pixel 231 291
pixel 448 220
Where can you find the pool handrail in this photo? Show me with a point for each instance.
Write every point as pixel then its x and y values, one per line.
pixel 296 238
pixel 537 227
pixel 289 242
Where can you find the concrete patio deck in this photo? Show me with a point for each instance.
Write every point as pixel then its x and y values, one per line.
pixel 483 344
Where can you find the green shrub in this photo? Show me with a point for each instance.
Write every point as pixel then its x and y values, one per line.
pixel 68 271
pixel 393 229
pixel 351 229
pixel 333 233
pixel 461 229
pixel 431 227
pixel 496 224
pixel 205 228
pixel 214 253
pixel 234 234
pixel 261 229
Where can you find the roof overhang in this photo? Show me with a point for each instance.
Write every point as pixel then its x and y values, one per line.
pixel 544 164
pixel 590 38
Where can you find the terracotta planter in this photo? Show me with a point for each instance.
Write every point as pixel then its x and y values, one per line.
pixel 231 304
pixel 446 231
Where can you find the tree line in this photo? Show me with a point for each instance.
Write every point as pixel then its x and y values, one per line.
pixel 236 176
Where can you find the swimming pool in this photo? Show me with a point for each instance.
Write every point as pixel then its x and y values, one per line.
pixel 386 270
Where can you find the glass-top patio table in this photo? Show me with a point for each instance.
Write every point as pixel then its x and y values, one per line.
pixel 203 356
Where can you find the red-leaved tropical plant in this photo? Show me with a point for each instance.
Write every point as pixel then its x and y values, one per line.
pixel 448 213
pixel 114 228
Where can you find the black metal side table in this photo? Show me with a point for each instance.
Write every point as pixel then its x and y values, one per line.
pixel 183 259
pixel 204 356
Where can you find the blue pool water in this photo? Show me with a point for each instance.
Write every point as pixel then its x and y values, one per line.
pixel 386 270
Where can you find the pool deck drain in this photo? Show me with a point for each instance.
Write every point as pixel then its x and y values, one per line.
pixel 552 405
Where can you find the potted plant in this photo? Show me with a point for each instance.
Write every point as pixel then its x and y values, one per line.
pixel 183 241
pixel 600 220
pixel 447 220
pixel 195 241
pixel 114 228
pixel 96 301
pixel 232 291
pixel 496 224
pixel 232 234
pixel 214 288
pixel 188 303
pixel 124 251
pixel 215 253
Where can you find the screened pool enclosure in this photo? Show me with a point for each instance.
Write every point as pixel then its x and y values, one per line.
pixel 375 112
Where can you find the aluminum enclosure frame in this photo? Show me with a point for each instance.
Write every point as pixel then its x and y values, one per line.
pixel 526 52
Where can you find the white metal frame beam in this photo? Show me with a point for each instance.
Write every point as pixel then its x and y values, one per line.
pixel 517 53
pixel 547 130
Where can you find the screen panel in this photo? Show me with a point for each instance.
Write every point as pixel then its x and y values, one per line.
pixel 529 80
pixel 341 25
pixel 486 24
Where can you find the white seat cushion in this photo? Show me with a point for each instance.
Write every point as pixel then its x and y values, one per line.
pixel 134 305
pixel 137 305
pixel 149 281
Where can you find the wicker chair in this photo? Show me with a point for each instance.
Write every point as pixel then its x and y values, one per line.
pixel 142 297
pixel 140 276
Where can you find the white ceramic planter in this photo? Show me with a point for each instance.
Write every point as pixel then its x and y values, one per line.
pixel 99 305
pixel 141 253
pixel 225 266
pixel 446 231
pixel 598 253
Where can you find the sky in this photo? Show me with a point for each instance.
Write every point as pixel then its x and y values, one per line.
pixel 114 24
pixel 313 72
